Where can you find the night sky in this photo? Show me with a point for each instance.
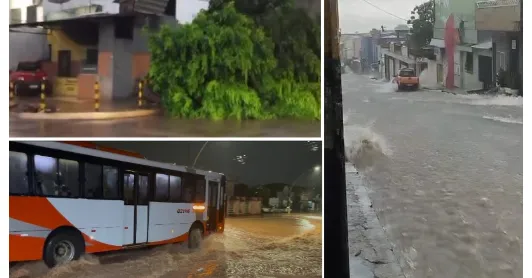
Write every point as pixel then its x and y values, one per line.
pixel 250 162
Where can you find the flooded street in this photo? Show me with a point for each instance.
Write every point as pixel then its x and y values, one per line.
pixel 444 174
pixel 158 126
pixel 270 246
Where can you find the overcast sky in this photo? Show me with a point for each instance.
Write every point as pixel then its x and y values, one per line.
pixel 265 162
pixel 359 16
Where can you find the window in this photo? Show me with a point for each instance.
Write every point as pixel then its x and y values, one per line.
pixel 69 178
pixel 143 198
pixel 124 27
pixel 200 191
pixel 91 57
pixel 18 173
pixel 129 186
pixel 93 181
pixel 56 177
pixel 45 175
pixel 175 189
pixel 110 183
pixel 469 62
pixel 189 189
pixel 161 188
pixel 501 60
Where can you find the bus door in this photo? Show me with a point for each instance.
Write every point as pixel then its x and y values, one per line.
pixel 136 208
pixel 212 206
pixel 222 205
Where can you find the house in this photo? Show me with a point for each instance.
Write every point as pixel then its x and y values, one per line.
pixel 461 54
pixel 499 27
pixel 89 41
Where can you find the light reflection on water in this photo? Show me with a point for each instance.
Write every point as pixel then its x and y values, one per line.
pixel 276 246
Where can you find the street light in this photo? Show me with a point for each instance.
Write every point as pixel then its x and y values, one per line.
pixel 199 153
pixel 316 169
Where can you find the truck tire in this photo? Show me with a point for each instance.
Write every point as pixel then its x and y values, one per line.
pixel 194 238
pixel 62 248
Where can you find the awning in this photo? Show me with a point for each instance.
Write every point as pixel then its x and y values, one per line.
pixel 483 45
pixel 437 43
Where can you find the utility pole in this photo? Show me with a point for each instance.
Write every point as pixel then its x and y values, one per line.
pixel 335 202
pixel 520 45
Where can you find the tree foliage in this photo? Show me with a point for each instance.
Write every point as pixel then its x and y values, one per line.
pixel 235 60
pixel 422 21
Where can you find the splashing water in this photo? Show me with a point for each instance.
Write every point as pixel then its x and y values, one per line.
pixel 427 80
pixel 364 148
pixel 241 251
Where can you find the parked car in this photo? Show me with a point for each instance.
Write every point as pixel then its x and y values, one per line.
pixel 28 78
pixel 406 79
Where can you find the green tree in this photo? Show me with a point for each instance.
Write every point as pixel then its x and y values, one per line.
pixel 226 65
pixel 422 21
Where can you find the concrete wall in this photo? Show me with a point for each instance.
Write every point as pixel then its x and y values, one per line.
pixel 499 18
pixel 25 45
pixel 242 206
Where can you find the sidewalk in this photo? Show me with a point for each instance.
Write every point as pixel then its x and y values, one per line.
pixel 64 108
pixel 370 253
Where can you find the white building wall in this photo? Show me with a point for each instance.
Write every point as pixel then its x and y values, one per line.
pixel 26 46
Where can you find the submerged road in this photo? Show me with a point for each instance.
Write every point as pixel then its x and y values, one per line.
pixel 444 176
pixel 270 246
pixel 158 126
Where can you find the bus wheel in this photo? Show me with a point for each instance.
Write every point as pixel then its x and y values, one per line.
pixel 194 238
pixel 62 248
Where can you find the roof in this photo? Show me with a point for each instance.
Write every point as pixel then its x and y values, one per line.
pixel 90 17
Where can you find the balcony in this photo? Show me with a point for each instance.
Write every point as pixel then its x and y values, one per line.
pixel 498 15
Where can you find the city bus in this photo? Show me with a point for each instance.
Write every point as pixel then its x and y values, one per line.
pixel 67 199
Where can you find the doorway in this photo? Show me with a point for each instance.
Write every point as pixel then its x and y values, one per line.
pixel 213 206
pixel 136 200
pixel 64 63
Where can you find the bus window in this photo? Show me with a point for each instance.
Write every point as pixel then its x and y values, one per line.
pixel 18 173
pixel 200 191
pixel 110 183
pixel 46 175
pixel 189 189
pixel 69 178
pixel 93 181
pixel 129 186
pixel 143 190
pixel 161 188
pixel 175 189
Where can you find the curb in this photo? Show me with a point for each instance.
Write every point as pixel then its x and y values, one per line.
pixel 88 115
pixel 370 251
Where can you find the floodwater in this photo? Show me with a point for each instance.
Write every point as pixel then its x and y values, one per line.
pixel 444 174
pixel 159 126
pixel 270 246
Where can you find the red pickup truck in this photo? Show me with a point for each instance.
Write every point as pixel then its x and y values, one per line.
pixel 28 77
pixel 407 79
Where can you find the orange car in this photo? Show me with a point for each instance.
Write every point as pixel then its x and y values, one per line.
pixel 407 79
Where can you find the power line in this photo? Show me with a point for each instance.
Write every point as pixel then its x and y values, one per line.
pixel 382 10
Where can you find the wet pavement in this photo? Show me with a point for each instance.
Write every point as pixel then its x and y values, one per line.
pixel 444 175
pixel 270 246
pixel 160 126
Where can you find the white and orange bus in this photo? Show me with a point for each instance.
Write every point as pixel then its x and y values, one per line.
pixel 68 199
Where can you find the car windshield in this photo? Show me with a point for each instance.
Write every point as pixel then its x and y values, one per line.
pixel 28 67
pixel 407 73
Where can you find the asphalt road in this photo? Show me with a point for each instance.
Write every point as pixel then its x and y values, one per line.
pixel 270 246
pixel 444 175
